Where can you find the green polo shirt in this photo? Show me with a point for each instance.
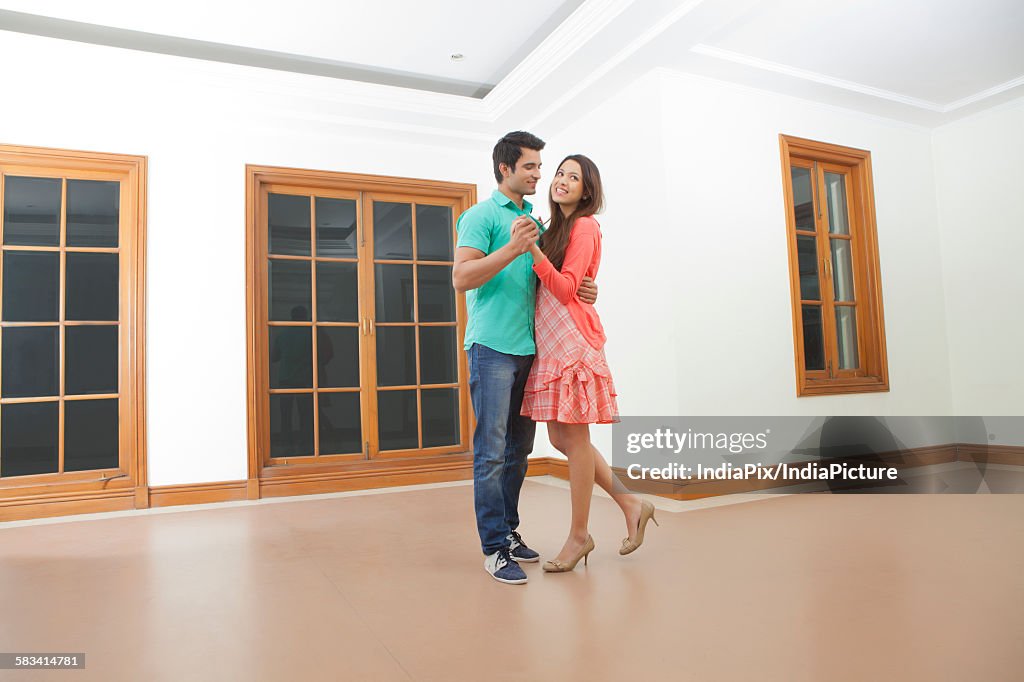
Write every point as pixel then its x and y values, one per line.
pixel 500 311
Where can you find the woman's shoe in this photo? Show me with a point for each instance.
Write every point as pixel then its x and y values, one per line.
pixel 556 566
pixel 646 513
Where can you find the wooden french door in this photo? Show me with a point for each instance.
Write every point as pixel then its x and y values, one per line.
pixel 358 329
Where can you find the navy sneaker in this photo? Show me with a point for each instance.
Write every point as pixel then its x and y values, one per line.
pixel 504 568
pixel 518 549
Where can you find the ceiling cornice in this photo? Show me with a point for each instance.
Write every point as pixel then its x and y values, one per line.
pixel 852 86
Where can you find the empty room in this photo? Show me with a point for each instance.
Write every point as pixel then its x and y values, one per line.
pixel 337 339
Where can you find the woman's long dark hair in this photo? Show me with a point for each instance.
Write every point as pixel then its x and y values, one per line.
pixel 556 237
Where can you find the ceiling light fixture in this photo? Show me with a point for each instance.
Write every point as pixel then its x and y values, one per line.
pixel 458 57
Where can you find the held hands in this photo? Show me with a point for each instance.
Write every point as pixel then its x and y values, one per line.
pixel 524 234
pixel 587 291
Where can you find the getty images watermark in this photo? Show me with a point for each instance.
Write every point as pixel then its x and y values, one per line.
pixel 718 455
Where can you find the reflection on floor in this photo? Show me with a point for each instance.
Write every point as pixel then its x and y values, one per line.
pixel 390 586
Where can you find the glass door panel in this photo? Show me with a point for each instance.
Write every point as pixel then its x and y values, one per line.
pixel 313 326
pixel 60 305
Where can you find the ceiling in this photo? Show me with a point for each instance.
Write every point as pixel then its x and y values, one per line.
pixel 925 62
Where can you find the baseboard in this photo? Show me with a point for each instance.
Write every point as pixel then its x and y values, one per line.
pixel 196 493
pixel 991 454
pixel 46 506
pixel 18 509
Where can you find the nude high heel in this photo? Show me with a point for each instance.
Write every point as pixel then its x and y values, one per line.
pixel 556 566
pixel 646 513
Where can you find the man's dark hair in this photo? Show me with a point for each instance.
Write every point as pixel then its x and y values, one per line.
pixel 510 148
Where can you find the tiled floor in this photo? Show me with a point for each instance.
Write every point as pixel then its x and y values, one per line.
pixel 391 587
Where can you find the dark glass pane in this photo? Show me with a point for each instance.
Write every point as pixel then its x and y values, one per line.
pixel 814 339
pixel 28 439
pixel 91 360
pixel 31 211
pixel 396 420
pixel 396 356
pixel 394 293
pixel 807 256
pixel 392 231
pixel 92 286
pixel 31 283
pixel 90 435
pixel 93 210
pixel 803 198
pixel 31 358
pixel 337 292
pixel 437 297
pixel 336 228
pixel 341 432
pixel 288 224
pixel 290 290
pixel 835 199
pixel 846 331
pixel 440 417
pixel 438 355
pixel 337 350
pixel 291 425
pixel 434 233
pixel 291 357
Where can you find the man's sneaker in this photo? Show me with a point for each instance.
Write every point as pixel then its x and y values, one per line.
pixel 504 568
pixel 518 549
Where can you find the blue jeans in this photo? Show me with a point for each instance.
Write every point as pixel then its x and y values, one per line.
pixel 501 442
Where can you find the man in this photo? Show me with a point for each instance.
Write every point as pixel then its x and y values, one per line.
pixel 493 265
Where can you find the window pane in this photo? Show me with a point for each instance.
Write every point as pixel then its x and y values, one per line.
pixel 337 292
pixel 807 255
pixel 394 293
pixel 291 357
pixel 437 297
pixel 288 224
pixel 440 417
pixel 91 360
pixel 434 233
pixel 846 331
pixel 396 420
pixel 93 209
pixel 31 211
pixel 337 350
pixel 803 198
pixel 438 355
pixel 341 432
pixel 290 290
pixel 835 196
pixel 90 435
pixel 814 339
pixel 396 356
pixel 30 362
pixel 291 425
pixel 31 281
pixel 392 231
pixel 92 286
pixel 28 439
pixel 336 228
pixel 842 269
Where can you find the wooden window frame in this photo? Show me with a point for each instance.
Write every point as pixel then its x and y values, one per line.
pixel 123 487
pixel 872 373
pixel 292 473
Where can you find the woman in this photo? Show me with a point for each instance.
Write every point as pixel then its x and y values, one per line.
pixel 570 386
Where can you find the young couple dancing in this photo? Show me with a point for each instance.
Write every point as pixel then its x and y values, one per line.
pixel 515 273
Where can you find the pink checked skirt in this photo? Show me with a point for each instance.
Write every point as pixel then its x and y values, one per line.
pixel 570 381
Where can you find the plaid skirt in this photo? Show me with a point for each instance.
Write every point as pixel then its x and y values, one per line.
pixel 570 381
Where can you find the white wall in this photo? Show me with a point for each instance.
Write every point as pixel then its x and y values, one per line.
pixel 199 130
pixel 980 186
pixel 694 283
pixel 723 167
